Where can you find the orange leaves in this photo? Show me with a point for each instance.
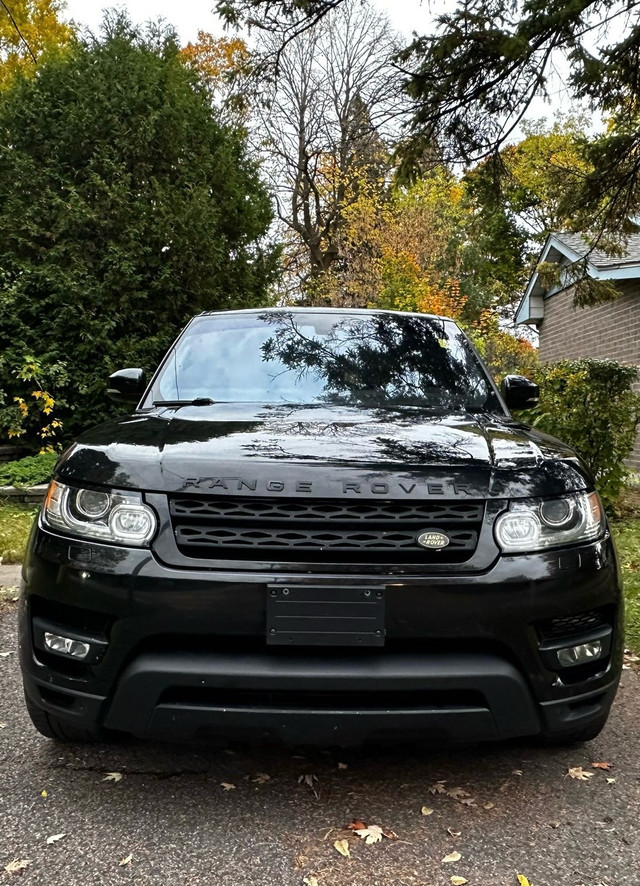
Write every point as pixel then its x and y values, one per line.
pixel 216 58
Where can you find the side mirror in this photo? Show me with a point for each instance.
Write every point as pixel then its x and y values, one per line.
pixel 127 385
pixel 519 393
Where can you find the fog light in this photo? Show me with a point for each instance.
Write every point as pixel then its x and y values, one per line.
pixel 577 655
pixel 66 646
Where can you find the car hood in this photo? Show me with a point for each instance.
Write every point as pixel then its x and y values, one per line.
pixel 325 451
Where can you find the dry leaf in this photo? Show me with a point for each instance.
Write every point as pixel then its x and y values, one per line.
pixel 55 838
pixel 488 805
pixel 342 846
pixel 310 881
pixel 516 772
pixel 605 766
pixel 453 856
pixel 426 810
pixel 522 880
pixel 579 773
pixel 227 786
pixel 113 776
pixel 43 794
pixel 438 788
pixel 453 833
pixel 342 765
pixel 307 779
pixel 356 825
pixel 371 834
pixel 458 881
pixel 5 654
pixel 125 861
pixel 17 866
pixel 457 793
pixel 611 781
pixel 468 801
pixel 261 778
pixel 3 725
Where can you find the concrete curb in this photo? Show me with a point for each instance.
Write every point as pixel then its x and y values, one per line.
pixel 24 494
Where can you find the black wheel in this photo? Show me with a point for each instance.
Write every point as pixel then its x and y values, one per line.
pixel 61 730
pixel 575 736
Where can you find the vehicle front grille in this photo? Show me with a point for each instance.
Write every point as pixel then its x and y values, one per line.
pixel 569 625
pixel 322 530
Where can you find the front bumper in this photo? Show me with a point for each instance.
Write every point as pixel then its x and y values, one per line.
pixel 185 653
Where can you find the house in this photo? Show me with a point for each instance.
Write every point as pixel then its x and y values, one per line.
pixel 609 331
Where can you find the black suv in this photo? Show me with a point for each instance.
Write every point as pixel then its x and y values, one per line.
pixel 324 526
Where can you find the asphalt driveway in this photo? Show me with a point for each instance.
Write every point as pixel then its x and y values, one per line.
pixel 252 816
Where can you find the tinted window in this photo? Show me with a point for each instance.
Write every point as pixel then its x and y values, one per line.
pixel 372 360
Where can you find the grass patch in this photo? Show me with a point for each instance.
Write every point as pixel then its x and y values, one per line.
pixel 15 525
pixel 627 535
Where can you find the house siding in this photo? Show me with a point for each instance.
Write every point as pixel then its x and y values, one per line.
pixel 608 332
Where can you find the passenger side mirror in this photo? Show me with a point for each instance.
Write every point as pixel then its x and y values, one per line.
pixel 127 385
pixel 519 393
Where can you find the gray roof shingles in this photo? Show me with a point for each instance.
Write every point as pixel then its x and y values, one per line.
pixel 630 254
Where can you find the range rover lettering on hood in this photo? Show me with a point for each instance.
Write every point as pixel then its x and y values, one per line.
pixel 344 487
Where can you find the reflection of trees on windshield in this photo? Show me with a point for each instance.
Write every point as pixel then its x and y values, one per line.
pixel 381 360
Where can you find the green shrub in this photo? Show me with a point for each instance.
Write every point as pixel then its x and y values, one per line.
pixel 28 471
pixel 590 405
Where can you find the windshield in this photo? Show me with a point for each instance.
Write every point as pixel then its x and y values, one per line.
pixel 310 357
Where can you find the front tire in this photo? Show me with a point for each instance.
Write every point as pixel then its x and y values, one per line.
pixel 61 730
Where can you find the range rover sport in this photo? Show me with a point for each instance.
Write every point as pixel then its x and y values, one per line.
pixel 320 526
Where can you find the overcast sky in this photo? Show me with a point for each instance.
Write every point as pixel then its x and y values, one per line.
pixel 189 16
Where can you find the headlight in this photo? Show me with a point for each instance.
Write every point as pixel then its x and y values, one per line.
pixel 543 523
pixel 119 517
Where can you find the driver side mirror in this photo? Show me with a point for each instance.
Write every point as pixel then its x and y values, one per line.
pixel 519 393
pixel 127 385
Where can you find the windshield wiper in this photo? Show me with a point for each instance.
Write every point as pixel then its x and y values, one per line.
pixel 199 401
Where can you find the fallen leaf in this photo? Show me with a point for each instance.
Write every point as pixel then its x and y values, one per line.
pixel 55 838
pixel 579 773
pixel 310 881
pixel 5 654
pixel 342 846
pixel 356 825
pixel 227 786
pixel 468 801
pixel 453 856
pixel 342 765
pixel 554 824
pixel 125 861
pixel 606 766
pixel 261 778
pixel 17 866
pixel 458 881
pixel 371 834
pixel 453 833
pixel 522 880
pixel 438 788
pixel 516 772
pixel 391 835
pixel 43 794
pixel 307 779
pixel 457 793
pixel 3 725
pixel 113 776
pixel 611 781
pixel 488 805
pixel 426 811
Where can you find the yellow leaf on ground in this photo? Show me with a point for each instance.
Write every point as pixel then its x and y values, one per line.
pixel 454 856
pixel 342 846
pixel 579 773
pixel 17 866
pixel 113 776
pixel 458 881
pixel 125 861
pixel 310 881
pixel 522 880
pixel 426 810
pixel 370 834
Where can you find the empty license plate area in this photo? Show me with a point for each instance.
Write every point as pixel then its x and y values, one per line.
pixel 325 616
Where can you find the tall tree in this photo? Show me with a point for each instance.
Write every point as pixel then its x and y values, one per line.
pixel 473 80
pixel 29 28
pixel 125 208
pixel 322 124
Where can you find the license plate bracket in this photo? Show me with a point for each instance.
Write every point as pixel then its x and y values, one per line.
pixel 319 615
